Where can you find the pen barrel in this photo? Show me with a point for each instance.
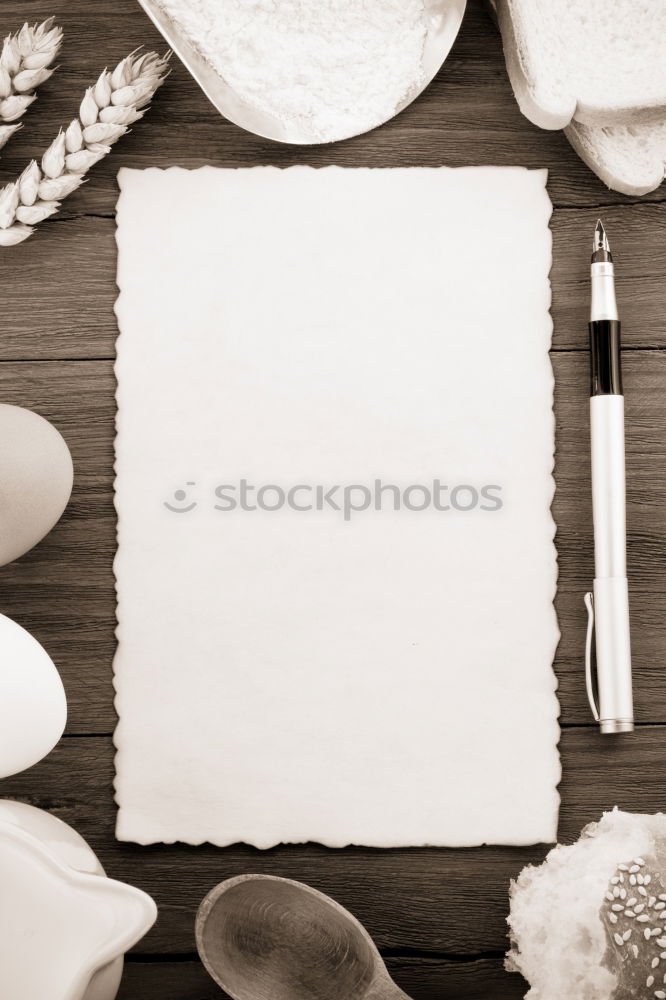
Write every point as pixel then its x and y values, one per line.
pixel 611 598
pixel 608 486
pixel 613 655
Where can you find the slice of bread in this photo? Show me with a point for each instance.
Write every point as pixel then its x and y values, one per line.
pixel 628 158
pixel 602 62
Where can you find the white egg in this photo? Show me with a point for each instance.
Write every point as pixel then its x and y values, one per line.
pixel 35 479
pixel 33 708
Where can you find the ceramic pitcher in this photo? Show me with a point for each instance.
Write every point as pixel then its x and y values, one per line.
pixel 64 926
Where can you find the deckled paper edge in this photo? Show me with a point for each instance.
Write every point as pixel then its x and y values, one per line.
pixel 117 733
pixel 549 836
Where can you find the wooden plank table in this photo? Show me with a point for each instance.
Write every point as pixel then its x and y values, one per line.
pixel 437 915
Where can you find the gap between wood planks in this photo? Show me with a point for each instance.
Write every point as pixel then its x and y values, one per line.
pixel 147 957
pixel 72 216
pixel 583 349
pixel 563 725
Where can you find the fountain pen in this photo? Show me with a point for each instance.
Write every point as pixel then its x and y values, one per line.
pixel 607 648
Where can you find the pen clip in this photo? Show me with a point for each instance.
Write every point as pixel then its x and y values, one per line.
pixel 590 678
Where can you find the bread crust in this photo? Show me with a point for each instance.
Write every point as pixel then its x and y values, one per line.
pixel 584 144
pixel 548 118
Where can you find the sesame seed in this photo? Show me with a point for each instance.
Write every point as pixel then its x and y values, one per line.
pixel 618 939
pixel 662 954
pixel 662 897
pixel 632 880
pixel 646 934
pixel 615 894
pixel 633 869
pixel 621 877
pixel 626 935
pixel 627 913
pixel 639 908
pixel 660 995
pixel 655 932
pixel 634 950
pixel 655 963
pixel 613 918
pixel 665 977
pixel 659 906
pixel 661 942
pixel 632 901
pixel 618 907
pixel 642 918
pixel 623 893
pixel 649 981
pixel 638 861
pixel 642 891
pixel 623 868
pixel 647 879
pixel 615 879
pixel 652 900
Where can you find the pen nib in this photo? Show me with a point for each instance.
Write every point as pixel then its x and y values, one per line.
pixel 600 241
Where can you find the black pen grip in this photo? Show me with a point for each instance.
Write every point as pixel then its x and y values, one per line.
pixel 605 364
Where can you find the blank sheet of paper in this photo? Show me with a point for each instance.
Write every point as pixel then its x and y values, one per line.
pixel 334 453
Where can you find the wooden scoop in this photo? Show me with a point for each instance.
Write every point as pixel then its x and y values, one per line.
pixel 267 938
pixel 443 18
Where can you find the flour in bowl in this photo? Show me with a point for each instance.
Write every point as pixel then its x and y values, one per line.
pixel 335 67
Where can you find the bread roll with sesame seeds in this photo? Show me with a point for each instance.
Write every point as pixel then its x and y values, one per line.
pixel 590 922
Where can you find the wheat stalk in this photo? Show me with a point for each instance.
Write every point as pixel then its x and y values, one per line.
pixel 108 109
pixel 24 63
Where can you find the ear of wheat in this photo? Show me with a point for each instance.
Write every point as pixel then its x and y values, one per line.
pixel 108 109
pixel 24 65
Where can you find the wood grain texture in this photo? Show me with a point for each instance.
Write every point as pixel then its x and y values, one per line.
pixel 58 291
pixel 421 978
